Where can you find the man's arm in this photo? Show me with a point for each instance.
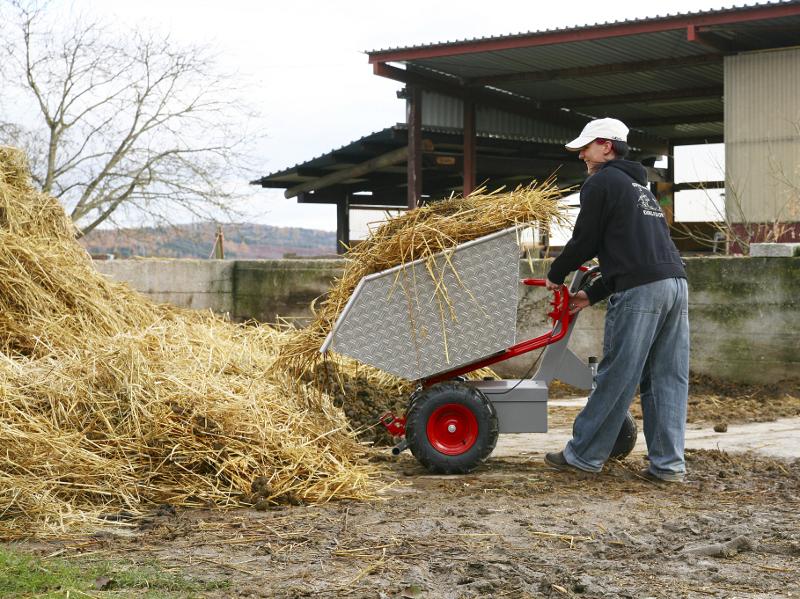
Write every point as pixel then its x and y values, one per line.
pixel 586 236
pixel 597 291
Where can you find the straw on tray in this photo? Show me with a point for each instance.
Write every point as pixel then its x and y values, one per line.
pixel 420 234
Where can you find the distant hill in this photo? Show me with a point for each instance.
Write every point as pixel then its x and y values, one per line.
pixel 243 241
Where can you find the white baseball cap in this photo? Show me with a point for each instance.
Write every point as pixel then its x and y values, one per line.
pixel 599 129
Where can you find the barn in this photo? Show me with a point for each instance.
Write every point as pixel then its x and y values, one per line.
pixel 496 111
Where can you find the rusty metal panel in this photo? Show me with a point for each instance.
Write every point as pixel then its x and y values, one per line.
pixel 762 136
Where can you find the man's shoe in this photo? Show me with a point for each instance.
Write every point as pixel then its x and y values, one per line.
pixel 559 462
pixel 663 478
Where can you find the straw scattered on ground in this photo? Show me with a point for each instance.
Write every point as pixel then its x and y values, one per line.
pixel 420 234
pixel 109 402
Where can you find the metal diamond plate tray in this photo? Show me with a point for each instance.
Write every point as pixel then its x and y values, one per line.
pixel 420 319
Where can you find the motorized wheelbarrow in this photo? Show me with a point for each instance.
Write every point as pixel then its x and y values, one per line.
pixel 435 320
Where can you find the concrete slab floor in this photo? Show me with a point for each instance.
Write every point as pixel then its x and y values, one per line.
pixel 780 438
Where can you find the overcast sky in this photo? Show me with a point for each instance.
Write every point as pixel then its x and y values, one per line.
pixel 305 70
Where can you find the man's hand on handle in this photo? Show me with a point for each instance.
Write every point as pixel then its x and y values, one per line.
pixel 577 302
pixel 551 286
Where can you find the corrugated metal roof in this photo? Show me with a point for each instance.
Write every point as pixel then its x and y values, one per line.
pixel 314 161
pixel 646 68
pixel 566 55
pixel 361 149
pixel 585 27
pixel 441 111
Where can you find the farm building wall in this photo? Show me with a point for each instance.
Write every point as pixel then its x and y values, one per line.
pixel 744 312
pixel 762 136
pixel 440 111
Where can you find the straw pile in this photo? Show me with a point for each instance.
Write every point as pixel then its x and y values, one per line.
pixel 420 234
pixel 109 402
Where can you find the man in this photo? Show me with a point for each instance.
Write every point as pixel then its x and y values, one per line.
pixel 646 338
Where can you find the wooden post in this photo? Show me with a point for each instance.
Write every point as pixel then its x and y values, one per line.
pixel 469 147
pixel 544 240
pixel 664 191
pixel 414 120
pixel 343 224
pixel 218 251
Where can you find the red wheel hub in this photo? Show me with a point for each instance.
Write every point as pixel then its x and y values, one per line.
pixel 452 429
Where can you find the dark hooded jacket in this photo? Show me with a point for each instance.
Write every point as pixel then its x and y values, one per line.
pixel 620 223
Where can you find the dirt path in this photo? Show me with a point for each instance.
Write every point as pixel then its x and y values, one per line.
pixel 512 529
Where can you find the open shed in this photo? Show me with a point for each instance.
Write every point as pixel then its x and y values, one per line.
pixel 498 110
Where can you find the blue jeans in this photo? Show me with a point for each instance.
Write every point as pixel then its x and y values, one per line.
pixel 646 343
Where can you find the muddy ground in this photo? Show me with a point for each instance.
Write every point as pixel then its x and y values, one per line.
pixel 513 528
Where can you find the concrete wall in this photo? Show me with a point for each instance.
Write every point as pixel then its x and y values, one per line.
pixel 744 315
pixel 198 284
pixel 744 312
pixel 259 289
pixel 268 289
pixel 745 318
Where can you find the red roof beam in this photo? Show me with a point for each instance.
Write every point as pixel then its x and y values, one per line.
pixel 583 34
pixel 709 40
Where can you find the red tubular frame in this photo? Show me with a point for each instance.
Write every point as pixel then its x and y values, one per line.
pixel 560 315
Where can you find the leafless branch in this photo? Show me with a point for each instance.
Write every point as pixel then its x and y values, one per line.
pixel 736 227
pixel 112 119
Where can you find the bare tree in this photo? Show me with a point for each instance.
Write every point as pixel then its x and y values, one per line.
pixel 734 228
pixel 118 121
pixel 733 231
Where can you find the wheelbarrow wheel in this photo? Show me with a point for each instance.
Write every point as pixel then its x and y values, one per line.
pixel 451 428
pixel 626 439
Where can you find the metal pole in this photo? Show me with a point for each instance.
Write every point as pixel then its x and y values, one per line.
pixel 469 147
pixel 343 224
pixel 414 120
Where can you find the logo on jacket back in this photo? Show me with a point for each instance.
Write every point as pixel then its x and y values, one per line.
pixel 647 202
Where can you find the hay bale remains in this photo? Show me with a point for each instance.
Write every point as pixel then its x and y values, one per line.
pixel 364 393
pixel 109 402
